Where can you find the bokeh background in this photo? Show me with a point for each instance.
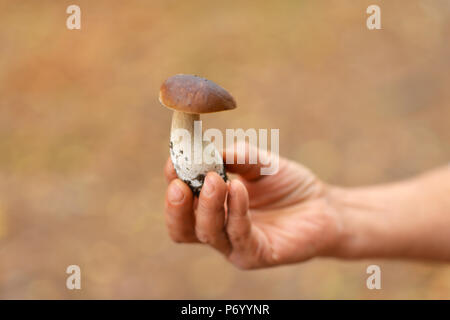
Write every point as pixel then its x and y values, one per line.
pixel 83 138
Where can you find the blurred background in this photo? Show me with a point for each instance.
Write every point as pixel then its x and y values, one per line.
pixel 83 138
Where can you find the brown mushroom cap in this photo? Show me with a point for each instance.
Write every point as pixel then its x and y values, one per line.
pixel 193 94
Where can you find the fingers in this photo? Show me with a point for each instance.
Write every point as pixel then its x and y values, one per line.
pixel 210 213
pixel 169 171
pixel 207 225
pixel 236 239
pixel 179 215
pixel 246 160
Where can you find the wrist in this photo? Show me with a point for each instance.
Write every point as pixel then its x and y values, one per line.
pixel 408 219
pixel 370 225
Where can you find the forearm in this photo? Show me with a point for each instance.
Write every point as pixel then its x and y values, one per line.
pixel 409 219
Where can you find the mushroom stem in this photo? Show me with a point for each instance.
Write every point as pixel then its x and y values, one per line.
pixel 185 145
pixel 186 151
pixel 183 120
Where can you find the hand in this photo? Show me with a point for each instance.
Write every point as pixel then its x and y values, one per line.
pixel 255 221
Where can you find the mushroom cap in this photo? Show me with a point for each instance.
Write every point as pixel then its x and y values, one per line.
pixel 193 94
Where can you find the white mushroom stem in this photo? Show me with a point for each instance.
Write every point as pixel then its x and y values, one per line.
pixel 185 121
pixel 187 151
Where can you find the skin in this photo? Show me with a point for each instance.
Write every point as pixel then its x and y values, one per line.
pixel 260 221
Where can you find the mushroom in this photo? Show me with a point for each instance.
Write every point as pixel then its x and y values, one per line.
pixel 189 96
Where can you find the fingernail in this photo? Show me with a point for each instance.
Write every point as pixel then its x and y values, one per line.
pixel 208 186
pixel 175 194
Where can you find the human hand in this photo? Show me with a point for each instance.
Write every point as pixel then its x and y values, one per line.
pixel 255 220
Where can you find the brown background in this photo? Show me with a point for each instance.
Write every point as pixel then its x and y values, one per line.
pixel 83 138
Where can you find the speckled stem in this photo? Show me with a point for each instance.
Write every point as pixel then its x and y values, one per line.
pixel 182 152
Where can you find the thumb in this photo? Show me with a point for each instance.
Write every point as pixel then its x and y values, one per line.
pixel 238 223
pixel 240 231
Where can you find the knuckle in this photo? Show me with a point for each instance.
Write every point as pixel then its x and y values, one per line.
pixel 238 237
pixel 235 238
